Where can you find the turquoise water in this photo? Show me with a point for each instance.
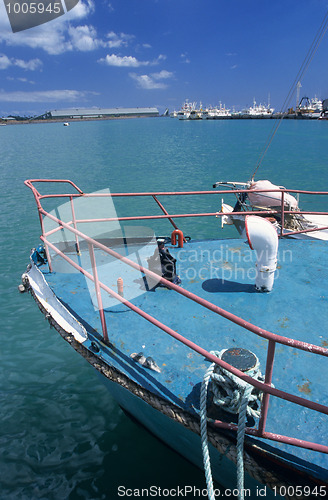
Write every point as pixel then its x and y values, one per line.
pixel 61 434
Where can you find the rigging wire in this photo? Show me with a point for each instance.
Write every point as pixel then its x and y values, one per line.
pixel 304 66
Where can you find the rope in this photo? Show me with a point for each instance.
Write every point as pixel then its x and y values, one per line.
pixel 238 395
pixel 203 431
pixel 301 72
pixel 228 389
pixel 242 418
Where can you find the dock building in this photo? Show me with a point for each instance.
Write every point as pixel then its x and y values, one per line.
pixel 98 113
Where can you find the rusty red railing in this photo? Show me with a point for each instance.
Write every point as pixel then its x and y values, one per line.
pixel 272 338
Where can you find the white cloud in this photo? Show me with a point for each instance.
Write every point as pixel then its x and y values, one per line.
pixel 118 40
pixel 110 7
pixel 82 9
pixel 185 58
pixel 53 37
pixel 161 57
pixel 162 75
pixel 4 62
pixel 152 81
pixel 44 96
pixel 31 65
pixel 84 38
pixel 129 61
pixel 67 34
pixel 24 80
pixel 125 61
pixel 146 82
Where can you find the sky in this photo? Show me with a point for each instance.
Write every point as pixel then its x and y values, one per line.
pixel 145 53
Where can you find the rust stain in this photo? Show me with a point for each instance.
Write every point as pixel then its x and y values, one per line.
pixel 235 249
pixel 227 265
pixel 283 322
pixel 305 388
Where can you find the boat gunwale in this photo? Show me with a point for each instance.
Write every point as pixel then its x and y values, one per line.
pixel 170 217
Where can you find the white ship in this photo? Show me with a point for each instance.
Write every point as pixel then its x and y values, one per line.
pixel 259 110
pixel 311 108
pixel 188 111
pixel 219 112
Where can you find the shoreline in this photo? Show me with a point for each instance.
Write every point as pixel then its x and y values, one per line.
pixel 86 119
pixel 69 120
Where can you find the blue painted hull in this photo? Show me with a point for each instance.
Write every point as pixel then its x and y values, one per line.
pixel 184 441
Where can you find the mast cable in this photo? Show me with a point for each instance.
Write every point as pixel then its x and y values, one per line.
pixel 304 66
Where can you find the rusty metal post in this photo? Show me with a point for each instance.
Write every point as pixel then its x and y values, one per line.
pixel 120 287
pixel 267 381
pixel 75 225
pixel 282 213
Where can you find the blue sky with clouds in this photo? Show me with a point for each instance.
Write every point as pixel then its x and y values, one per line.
pixel 115 53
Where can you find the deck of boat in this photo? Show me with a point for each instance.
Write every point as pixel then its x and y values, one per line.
pixel 222 272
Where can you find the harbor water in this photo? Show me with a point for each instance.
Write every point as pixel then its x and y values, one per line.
pixel 62 436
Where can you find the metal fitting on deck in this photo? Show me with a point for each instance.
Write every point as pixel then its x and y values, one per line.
pixel 120 287
pixel 177 233
pixel 263 238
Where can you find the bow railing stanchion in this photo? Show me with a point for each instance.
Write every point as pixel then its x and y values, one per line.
pixel 267 381
pixel 75 225
pixel 282 214
pixel 98 291
pixel 166 213
pixel 44 234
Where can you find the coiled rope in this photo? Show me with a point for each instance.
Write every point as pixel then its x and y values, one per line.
pixel 233 395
